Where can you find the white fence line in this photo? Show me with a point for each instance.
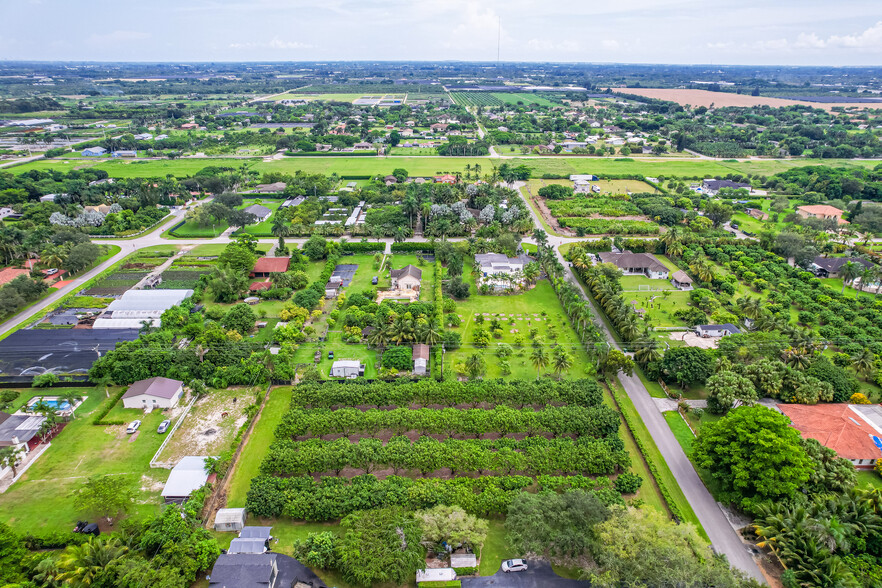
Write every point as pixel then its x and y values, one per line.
pixel 168 437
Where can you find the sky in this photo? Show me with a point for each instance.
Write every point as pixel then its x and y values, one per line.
pixel 750 32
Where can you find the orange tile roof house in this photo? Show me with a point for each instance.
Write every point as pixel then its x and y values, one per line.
pixel 853 431
pixel 821 211
pixel 10 273
pixel 265 266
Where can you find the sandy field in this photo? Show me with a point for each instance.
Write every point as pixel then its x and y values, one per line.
pixel 706 98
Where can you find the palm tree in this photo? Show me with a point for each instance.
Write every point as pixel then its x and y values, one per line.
pixel 378 338
pixel 849 272
pixel 539 359
pixel 9 456
pixel 670 237
pixel 83 564
pixel 864 362
pixel 563 361
pixel 428 334
pixel 796 358
pixel 531 272
pixel 647 350
pixel 749 306
pixel 475 365
pixel 71 398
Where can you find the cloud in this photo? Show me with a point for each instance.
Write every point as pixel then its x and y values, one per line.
pixel 275 43
pixel 868 40
pixel 563 46
pixel 609 44
pixel 118 36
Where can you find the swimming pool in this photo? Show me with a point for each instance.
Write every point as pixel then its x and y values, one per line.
pixel 56 404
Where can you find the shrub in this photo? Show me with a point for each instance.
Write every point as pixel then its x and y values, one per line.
pixel 628 483
pixel 45 380
pixel 399 358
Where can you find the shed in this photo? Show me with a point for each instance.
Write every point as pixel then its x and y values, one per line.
pixel 680 280
pixel 185 478
pixel 229 519
pixel 347 368
pixel 241 545
pixel 153 393
pixel 255 532
pixel 420 359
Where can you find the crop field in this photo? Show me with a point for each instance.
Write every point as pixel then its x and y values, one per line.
pixel 514 99
pixel 476 99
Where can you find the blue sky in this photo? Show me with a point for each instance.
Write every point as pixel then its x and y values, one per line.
pixel 764 32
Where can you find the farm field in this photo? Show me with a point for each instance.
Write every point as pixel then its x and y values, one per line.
pixel 719 99
pixel 41 498
pixel 515 99
pixel 358 166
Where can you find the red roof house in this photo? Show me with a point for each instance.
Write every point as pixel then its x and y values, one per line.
pixel 255 286
pixel 446 179
pixel 10 273
pixel 851 430
pixel 270 265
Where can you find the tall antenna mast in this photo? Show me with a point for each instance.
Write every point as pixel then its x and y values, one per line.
pixel 498 40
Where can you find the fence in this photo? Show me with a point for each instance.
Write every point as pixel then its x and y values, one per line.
pixel 153 461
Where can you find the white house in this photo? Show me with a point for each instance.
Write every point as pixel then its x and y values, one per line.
pixel 153 393
pixel 716 330
pixel 93 151
pixel 420 359
pixel 347 368
pixel 407 278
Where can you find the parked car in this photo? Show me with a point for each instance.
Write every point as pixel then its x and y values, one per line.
pixel 52 272
pixel 374 280
pixel 133 426
pixel 330 355
pixel 163 426
pixel 514 565
pixel 87 528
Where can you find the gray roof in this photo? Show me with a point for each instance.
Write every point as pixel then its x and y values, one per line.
pixel 247 546
pixel 408 270
pixel 718 184
pixel 727 326
pixel 229 515
pixel 258 210
pixel 159 387
pixel 149 299
pixel 629 260
pixel 252 532
pixel 242 570
pixel 21 427
pixel 488 258
pixel 186 477
pixel 834 264
pixel 346 363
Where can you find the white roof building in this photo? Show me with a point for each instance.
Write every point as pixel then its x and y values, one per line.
pixel 185 478
pixel 137 306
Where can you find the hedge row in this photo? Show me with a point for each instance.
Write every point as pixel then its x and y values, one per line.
pixel 530 456
pixel 438 298
pixel 663 489
pixel 425 247
pixel 594 421
pixel 98 419
pixel 515 393
pixel 359 247
pixel 303 498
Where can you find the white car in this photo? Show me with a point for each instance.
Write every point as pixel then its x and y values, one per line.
pixel 514 565
pixel 52 272
pixel 133 426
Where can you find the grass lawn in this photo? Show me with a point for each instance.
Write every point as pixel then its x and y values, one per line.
pixel 41 501
pixel 495 549
pixel 869 478
pixel 681 430
pixel 660 307
pixel 248 465
pixel 634 283
pixel 540 306
pixel 836 284
pixel 262 229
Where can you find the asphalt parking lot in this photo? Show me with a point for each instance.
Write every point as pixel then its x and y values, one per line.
pixel 538 575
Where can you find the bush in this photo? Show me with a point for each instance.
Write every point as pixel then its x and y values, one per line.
pixel 358 247
pixel 399 358
pixel 628 483
pixel 425 247
pixel 45 380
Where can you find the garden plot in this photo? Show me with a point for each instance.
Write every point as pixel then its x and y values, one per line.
pixel 117 283
pixel 210 425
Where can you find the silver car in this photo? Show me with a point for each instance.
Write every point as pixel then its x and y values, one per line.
pixel 514 565
pixel 163 426
pixel 133 426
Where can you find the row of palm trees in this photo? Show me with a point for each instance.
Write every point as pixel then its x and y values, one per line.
pixel 404 330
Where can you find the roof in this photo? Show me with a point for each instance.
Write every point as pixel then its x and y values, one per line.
pixel 242 570
pixel 10 273
pixel 22 427
pixel 274 187
pixel 186 477
pixel 490 258
pixel 255 286
pixel 717 184
pixel 245 545
pixel 628 260
pixel 149 299
pixel 346 363
pixel 822 209
pixel 725 326
pixel 408 270
pixel 681 277
pixel 159 387
pixel 258 210
pixel 834 264
pixel 421 351
pixel 272 265
pixel 229 515
pixel 253 532
pixel 841 427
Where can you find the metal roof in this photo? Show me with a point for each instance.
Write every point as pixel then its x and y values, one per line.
pixel 186 477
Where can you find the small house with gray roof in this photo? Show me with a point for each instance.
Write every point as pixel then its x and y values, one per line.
pixel 153 393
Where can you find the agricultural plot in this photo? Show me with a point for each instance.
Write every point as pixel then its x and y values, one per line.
pixel 516 99
pixel 476 99
pixel 414 456
pixel 117 283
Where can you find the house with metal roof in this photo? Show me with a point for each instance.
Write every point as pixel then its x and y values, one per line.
pixel 633 264
pixel 347 368
pixel 153 393
pixel 185 478
pixel 17 430
pixel 136 307
pixel 420 359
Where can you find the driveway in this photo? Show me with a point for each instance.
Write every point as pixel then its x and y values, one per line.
pixel 538 575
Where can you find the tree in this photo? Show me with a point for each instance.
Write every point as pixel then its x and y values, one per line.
pixel 539 359
pixel 380 546
pixel 729 390
pixel 400 174
pixel 240 318
pixel 315 248
pixel 612 361
pixel 755 455
pixel 238 257
pixel 562 361
pixel 453 525
pixel 82 256
pixel 105 496
pixel 87 564
pixel 849 272
pixel 475 365
pixel 9 456
pixel 12 553
pixel 687 365
pixel 641 547
pixel 864 362
pixel 718 212
pixel 553 524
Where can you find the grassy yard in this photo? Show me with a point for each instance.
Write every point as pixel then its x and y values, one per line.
pixel 869 478
pixel 40 500
pixel 681 430
pixel 659 307
pixel 248 465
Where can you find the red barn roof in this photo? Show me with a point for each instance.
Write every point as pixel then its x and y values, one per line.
pixel 271 265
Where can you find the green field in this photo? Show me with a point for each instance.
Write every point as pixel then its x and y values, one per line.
pixel 359 166
pixel 513 98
